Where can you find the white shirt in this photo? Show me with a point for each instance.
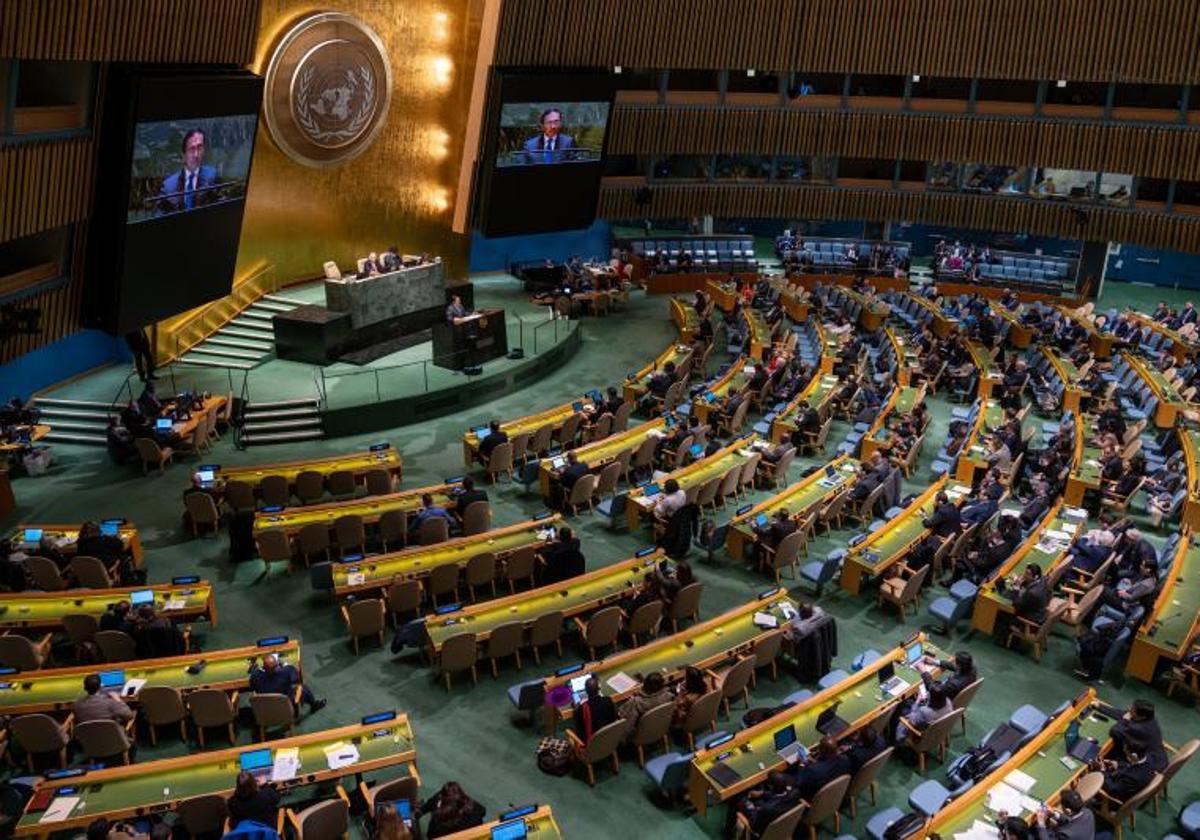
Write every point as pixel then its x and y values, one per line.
pixel 668 503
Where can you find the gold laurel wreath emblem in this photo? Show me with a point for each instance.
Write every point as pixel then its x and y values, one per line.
pixel 357 123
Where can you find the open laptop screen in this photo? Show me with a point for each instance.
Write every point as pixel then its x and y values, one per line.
pixel 255 760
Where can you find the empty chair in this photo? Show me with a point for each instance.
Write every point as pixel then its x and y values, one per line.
pixel 274 547
pixel 116 646
pixel 443 580
pixel 393 530
pixel 403 599
pixel 38 734
pixel 378 482
pixel 350 534
pixel 313 541
pixel 686 604
pixel 342 485
pixel 81 630
pixel 203 816
pixel 310 487
pixel 652 726
pixel 603 746
pixel 901 591
pixel 162 705
pixel 364 617
pixel 151 454
pixel 504 640
pixel 272 711
pixel 702 715
pixel 434 530
pixel 22 653
pixel 459 653
pixel 601 630
pixel 766 652
pixel 90 572
pixel 43 574
pixel 645 620
pixel 102 740
pixel 518 566
pixel 865 779
pixel 546 629
pixel 481 571
pixel 201 513
pixel 275 491
pixel 782 827
pixel 239 496
pixel 477 518
pixel 825 804
pixel 210 708
pixel 963 699
pixel 324 821
pixel 735 681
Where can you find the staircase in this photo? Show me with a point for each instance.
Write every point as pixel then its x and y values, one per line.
pixel 76 421
pixel 245 342
pixel 286 421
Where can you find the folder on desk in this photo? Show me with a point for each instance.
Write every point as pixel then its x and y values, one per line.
pixel 59 809
pixel 723 774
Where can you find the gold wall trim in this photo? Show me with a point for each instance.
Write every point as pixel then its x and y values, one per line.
pixel 175 336
pixel 1157 151
pixel 1153 230
pixel 1082 40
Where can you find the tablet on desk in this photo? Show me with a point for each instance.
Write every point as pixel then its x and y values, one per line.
pixel 141 596
pixel 163 424
pixel 33 536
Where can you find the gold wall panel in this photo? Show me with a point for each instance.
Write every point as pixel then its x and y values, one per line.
pixel 44 185
pixel 1149 151
pixel 726 201
pixel 400 190
pixel 1082 40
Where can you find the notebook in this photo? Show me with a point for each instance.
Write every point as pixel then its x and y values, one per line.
pixel 723 774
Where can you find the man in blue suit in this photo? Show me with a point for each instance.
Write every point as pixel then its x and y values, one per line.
pixel 188 188
pixel 551 145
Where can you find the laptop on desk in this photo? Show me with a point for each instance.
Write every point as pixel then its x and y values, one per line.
pixel 789 749
pixel 889 683
pixel 258 763
pixel 829 724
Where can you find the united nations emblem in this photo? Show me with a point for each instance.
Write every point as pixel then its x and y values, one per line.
pixel 328 87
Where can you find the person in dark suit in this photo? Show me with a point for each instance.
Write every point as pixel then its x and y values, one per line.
pixel 93 543
pixel 824 765
pixel 470 493
pixel 1032 595
pixel 780 526
pixel 563 559
pixel 865 745
pixel 961 674
pixel 496 436
pixel 1123 779
pixel 873 473
pixel 1139 731
pixel 1075 821
pixel 764 805
pixel 188 188
pixel 946 520
pixel 457 310
pixel 143 354
pixel 595 712
pixel 571 473
pixel 251 802
pixel 550 145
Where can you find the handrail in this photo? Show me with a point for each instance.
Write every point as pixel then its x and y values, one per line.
pixel 183 332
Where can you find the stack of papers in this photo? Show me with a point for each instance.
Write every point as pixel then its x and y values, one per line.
pixel 59 809
pixel 287 762
pixel 762 619
pixel 341 755
pixel 1020 780
pixel 621 682
pixel 356 578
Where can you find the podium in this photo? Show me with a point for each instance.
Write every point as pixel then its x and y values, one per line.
pixel 476 339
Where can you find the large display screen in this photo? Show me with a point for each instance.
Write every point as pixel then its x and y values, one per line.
pixel 183 165
pixel 540 133
pixel 176 153
pixel 545 153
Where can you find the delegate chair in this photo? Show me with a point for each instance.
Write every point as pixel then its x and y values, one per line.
pixel 162 705
pixel 459 653
pixel 323 821
pixel 103 740
pixel 39 734
pixel 365 617
pixel 90 572
pixel 211 708
pixel 653 726
pixel 603 745
pixel 272 711
pixel 203 816
pixel 22 653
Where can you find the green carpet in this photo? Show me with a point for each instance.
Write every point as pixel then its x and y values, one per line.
pixel 470 734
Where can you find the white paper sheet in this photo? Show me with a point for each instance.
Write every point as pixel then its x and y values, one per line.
pixel 979 830
pixel 1004 798
pixel 621 682
pixel 1020 780
pixel 134 684
pixel 341 755
pixel 60 808
pixel 762 619
pixel 287 763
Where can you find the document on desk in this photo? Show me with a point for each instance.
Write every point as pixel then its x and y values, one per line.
pixel 287 762
pixel 979 830
pixel 341 755
pixel 762 619
pixel 621 682
pixel 356 578
pixel 1020 780
pixel 132 686
pixel 175 604
pixel 1004 798
pixel 60 808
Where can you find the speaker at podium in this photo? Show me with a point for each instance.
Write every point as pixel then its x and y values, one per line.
pixel 470 340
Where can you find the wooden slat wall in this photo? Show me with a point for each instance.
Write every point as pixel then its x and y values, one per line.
pixel 1147 151
pixel 184 31
pixel 1082 40
pixel 60 309
pixel 725 201
pixel 44 185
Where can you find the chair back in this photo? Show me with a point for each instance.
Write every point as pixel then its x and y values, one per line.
pixel 477 518
pixel 161 704
pixel 938 733
pixel 393 790
pixel 645 618
pixel 313 538
pixel 43 573
pixel 459 653
pixel 379 482
pixel 19 652
pixel 481 568
pixel 784 464
pixel 964 697
pixel 210 707
pixel 239 495
pixel 738 677
pixel 80 627
pixel 1052 616
pixel 869 771
pixel 582 490
pixel 546 628
pixel 1136 801
pixel 366 617
pixel 148 450
pixel 342 485
pixel 826 800
pixel 324 821
pixel 443 579
pixel 620 421
pixel 605 740
pixel 520 447
pixel 101 739
pixel 708 492
pixel 606 484
pixel 116 646
pixel 749 469
pixel 766 649
pixel 404 596
pixel 201 508
pixel 654 724
pixel 788 551
pixel 569 429
pixel 272 710
pixel 912 586
pixel 644 456
pixel 38 733
pixel 501 459
pixel 274 546
pixel 602 428
pixel 1180 758
pixel 729 482
pixel 505 639
pixel 203 815
pixel 393 527
pixel 784 826
pixel 519 565
pixel 703 712
pixel 687 601
pixel 434 530
pixel 310 487
pixel 275 491
pixel 540 442
pixel 603 628
pixel 350 533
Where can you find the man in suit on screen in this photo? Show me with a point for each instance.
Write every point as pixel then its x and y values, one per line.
pixel 550 145
pixel 189 187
